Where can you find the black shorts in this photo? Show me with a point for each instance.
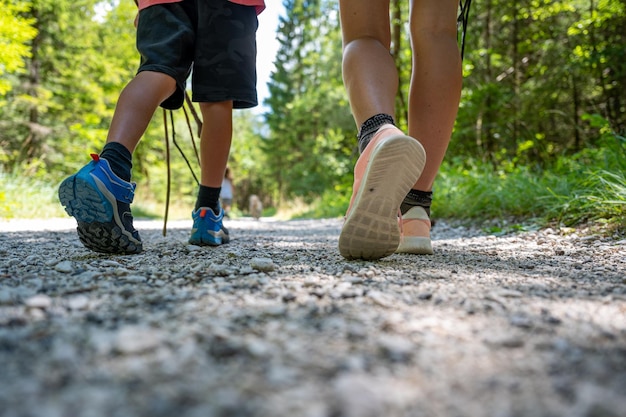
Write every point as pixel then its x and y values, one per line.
pixel 215 38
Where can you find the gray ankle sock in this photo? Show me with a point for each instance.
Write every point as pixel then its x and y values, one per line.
pixel 371 126
pixel 417 198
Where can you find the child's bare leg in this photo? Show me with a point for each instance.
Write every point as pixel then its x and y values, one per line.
pixel 435 82
pixel 215 141
pixel 136 106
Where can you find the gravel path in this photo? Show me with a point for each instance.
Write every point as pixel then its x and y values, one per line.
pixel 277 324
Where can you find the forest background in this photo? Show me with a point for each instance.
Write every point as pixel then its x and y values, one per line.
pixel 539 135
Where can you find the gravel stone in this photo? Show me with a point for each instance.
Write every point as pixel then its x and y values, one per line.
pixel 276 323
pixel 64 266
pixel 38 301
pixel 262 264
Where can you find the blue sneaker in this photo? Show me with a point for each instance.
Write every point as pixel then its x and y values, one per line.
pixel 100 201
pixel 208 228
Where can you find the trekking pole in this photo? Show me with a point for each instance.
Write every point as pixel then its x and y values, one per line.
pixel 169 175
pixel 175 142
pixel 462 22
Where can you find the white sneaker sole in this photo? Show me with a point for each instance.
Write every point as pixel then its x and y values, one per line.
pixel 415 245
pixel 418 245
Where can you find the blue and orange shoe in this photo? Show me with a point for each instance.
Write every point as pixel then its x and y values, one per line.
pixel 208 229
pixel 100 202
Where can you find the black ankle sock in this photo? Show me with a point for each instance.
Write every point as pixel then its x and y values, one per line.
pixel 208 197
pixel 371 126
pixel 120 159
pixel 417 198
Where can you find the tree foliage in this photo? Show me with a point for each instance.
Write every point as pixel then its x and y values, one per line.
pixel 62 102
pixel 543 79
pixel 534 69
pixel 309 119
pixel 15 33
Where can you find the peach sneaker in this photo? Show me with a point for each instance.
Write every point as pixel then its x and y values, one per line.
pixel 383 175
pixel 415 231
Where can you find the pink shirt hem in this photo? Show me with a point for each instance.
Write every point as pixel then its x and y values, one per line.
pixel 259 4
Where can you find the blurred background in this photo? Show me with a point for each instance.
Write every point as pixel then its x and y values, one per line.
pixel 539 136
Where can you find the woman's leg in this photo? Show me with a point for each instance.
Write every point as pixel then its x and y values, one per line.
pixel 435 81
pixel 390 162
pixel 369 72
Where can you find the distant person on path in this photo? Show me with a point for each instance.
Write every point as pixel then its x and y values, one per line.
pixel 255 206
pixel 227 193
pixel 395 172
pixel 217 38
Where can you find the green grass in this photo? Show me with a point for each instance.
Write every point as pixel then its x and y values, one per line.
pixel 575 192
pixel 23 197
pixel 587 188
pixel 582 196
pixel 27 198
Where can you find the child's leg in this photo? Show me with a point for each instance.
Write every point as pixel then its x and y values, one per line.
pixel 136 106
pixel 224 78
pixel 435 81
pixel 100 194
pixel 215 141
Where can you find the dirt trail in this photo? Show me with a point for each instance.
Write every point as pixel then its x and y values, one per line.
pixel 277 324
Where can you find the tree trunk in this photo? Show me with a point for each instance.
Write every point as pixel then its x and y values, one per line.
pixel 484 136
pixel 32 143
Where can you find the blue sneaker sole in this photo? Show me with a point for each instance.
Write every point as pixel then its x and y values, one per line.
pixel 206 242
pixel 98 228
pixel 208 239
pixel 83 201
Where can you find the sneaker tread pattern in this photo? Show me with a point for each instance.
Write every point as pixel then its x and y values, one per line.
pixel 96 228
pixel 371 229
